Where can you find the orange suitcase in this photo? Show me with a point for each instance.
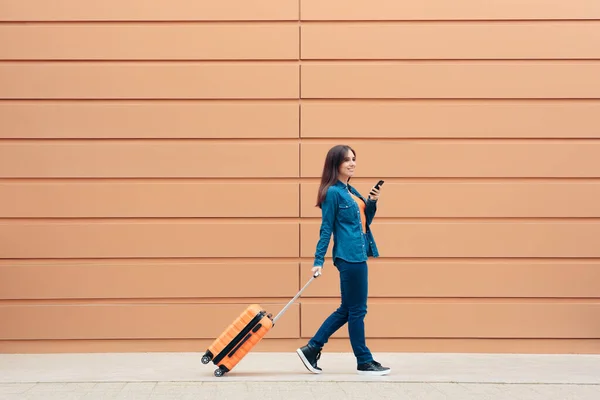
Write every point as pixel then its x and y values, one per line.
pixel 242 335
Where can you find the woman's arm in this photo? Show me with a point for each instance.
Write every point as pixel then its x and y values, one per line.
pixel 328 214
pixel 370 210
pixel 371 207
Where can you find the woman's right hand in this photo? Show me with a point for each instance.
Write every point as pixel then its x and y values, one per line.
pixel 317 271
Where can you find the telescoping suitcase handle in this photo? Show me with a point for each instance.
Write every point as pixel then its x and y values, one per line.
pixel 316 275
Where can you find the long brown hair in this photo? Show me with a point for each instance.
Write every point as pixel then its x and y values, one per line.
pixel 335 157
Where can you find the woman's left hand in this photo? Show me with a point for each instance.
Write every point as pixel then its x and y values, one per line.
pixel 374 194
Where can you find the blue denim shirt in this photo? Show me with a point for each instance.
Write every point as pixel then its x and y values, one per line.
pixel 341 217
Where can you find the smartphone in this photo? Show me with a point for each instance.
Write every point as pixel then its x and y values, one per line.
pixel 377 186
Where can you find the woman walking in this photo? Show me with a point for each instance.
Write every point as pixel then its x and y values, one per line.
pixel 348 216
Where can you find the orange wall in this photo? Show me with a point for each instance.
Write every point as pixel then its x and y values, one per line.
pixel 159 163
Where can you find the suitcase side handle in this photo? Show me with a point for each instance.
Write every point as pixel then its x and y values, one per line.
pixel 315 276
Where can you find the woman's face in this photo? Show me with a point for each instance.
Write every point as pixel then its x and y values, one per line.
pixel 346 169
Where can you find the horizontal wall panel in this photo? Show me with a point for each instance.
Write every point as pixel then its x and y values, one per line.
pixel 447 79
pixel 452 40
pixel 147 159
pixel 474 239
pixel 471 278
pixel 147 199
pixel 130 321
pixel 147 239
pixel 550 320
pixel 156 80
pixel 450 119
pixel 410 345
pixel 153 119
pixel 476 199
pixel 139 10
pixel 439 10
pixel 165 41
pixel 461 158
pixel 146 279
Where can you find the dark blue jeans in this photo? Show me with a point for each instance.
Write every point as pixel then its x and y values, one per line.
pixel 354 286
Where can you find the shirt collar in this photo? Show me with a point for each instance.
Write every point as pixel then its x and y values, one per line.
pixel 341 184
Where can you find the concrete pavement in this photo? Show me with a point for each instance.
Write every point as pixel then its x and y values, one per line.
pixel 281 375
pixel 295 391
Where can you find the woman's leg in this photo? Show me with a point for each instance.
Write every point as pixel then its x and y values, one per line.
pixel 335 321
pixel 357 288
pixel 355 280
pixel 311 353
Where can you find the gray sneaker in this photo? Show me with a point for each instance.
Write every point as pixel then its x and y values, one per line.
pixel 309 356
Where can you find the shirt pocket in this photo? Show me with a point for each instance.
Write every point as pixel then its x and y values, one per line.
pixel 345 212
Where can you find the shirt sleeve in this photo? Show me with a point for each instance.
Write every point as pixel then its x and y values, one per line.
pixel 370 210
pixel 328 215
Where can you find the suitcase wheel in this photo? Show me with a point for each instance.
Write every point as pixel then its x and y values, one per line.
pixel 219 372
pixel 207 357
